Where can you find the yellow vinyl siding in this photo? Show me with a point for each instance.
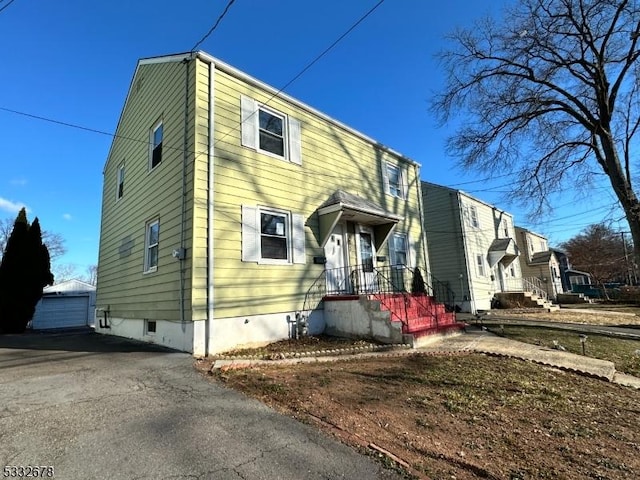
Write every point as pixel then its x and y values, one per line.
pixel 157 92
pixel 332 159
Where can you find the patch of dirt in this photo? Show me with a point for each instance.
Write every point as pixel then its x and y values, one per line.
pixel 462 416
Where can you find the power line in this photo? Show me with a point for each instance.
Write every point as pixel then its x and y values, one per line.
pixel 307 67
pixel 10 2
pixel 215 25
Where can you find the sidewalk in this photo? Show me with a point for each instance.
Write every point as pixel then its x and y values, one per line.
pixel 481 341
pixel 475 340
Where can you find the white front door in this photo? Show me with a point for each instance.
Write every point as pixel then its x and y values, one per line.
pixel 366 260
pixel 335 253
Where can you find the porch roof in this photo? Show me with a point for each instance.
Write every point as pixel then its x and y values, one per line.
pixel 503 250
pixel 342 205
pixel 541 257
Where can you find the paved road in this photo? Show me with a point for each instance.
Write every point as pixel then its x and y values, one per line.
pixel 96 407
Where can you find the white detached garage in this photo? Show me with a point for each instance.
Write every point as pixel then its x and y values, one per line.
pixel 64 305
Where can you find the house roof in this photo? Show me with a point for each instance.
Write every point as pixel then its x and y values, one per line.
pixel 503 250
pixel 69 286
pixel 465 194
pixel 205 57
pixel 354 202
pixel 542 257
pixel 343 205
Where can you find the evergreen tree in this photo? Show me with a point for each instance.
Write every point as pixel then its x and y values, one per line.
pixel 25 270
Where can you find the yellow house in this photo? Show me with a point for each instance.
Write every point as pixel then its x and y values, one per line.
pixel 227 204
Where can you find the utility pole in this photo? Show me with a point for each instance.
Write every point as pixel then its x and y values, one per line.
pixel 626 257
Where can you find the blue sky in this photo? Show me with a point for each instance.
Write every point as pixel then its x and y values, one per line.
pixel 72 61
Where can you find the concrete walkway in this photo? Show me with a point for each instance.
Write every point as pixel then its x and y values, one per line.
pixel 475 340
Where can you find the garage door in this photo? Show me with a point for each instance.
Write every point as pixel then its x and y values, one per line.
pixel 61 312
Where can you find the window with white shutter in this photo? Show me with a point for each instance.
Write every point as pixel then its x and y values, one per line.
pixel 270 132
pixel 272 236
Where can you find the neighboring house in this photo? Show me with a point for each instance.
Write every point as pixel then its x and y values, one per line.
pixel 227 203
pixel 65 305
pixel 472 246
pixel 538 262
pixel 570 276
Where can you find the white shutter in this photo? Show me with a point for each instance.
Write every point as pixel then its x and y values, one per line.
pixel 295 144
pixel 299 253
pixel 250 234
pixel 385 177
pixel 413 255
pixel 249 118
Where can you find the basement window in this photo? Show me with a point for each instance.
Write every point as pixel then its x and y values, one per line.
pixel 149 327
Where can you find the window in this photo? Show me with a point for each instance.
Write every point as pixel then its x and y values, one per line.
pixel 268 131
pixel 271 129
pixel 394 181
pixel 473 217
pixel 398 249
pixel 480 264
pixel 272 236
pixel 149 327
pixel 120 183
pixel 155 141
pixel 152 239
pixel 505 226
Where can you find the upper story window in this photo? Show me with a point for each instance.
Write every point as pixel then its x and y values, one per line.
pixel 272 236
pixel 152 243
pixel 120 182
pixel 156 137
pixel 394 181
pixel 473 216
pixel 269 131
pixel 272 132
pixel 505 226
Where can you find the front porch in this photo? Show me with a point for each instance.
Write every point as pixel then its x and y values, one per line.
pixel 391 304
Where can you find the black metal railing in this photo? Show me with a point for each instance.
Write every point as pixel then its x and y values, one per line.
pixel 384 284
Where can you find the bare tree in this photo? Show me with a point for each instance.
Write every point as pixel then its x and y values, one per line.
pixel 550 94
pixel 53 241
pixel 601 251
pixel 64 271
pixel 91 276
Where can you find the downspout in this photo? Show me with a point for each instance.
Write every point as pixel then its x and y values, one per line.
pixel 423 236
pixel 183 215
pixel 472 300
pixel 210 211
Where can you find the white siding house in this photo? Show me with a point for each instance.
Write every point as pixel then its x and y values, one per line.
pixel 471 246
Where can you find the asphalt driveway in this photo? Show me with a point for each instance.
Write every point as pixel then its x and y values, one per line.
pixel 98 407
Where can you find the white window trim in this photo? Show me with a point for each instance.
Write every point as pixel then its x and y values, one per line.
pixel 152 131
pixel 251 236
pixel 402 177
pixel 285 132
pixel 474 220
pixel 393 251
pixel 147 245
pixel 120 180
pixel 288 236
pixel 480 266
pixel 250 130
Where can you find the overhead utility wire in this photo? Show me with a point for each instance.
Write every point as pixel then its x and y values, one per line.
pixel 215 25
pixel 309 65
pixel 10 2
